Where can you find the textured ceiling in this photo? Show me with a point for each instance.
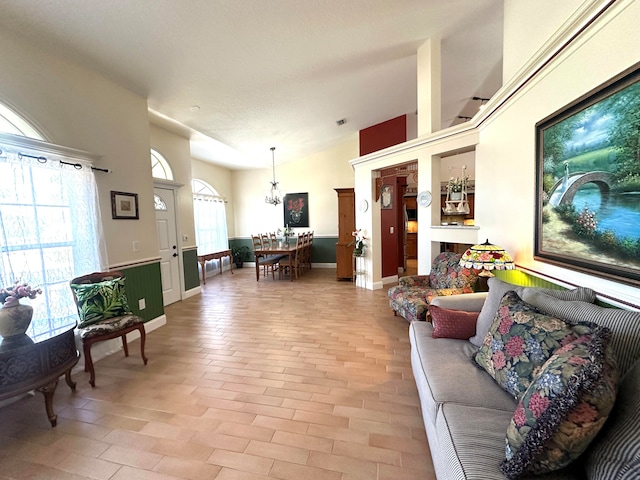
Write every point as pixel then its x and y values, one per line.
pixel 272 73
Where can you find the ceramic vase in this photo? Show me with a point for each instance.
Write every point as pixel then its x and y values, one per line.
pixel 455 196
pixel 15 320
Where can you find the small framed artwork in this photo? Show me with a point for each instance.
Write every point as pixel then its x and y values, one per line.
pixel 296 209
pixel 124 205
pixel 386 194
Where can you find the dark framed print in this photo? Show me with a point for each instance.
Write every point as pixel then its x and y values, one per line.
pixel 124 205
pixel 296 209
pixel 588 182
pixel 386 196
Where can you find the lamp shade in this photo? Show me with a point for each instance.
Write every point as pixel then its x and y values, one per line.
pixel 486 256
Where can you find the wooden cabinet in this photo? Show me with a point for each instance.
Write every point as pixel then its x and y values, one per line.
pixel 346 226
pixel 412 246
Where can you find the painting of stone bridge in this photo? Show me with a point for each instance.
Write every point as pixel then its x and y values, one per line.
pixel 588 182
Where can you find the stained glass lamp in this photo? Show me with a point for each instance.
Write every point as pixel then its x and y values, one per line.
pixel 487 257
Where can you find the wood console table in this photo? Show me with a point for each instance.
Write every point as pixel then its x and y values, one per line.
pixel 37 364
pixel 203 259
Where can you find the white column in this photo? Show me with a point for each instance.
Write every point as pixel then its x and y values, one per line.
pixel 429 87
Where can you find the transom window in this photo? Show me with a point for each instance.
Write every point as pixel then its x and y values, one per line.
pixel 160 167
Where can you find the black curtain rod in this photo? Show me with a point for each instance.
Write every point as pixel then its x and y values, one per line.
pixel 42 159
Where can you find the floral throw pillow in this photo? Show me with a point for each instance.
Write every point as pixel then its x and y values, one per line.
pixel 101 300
pixel 521 339
pixel 564 407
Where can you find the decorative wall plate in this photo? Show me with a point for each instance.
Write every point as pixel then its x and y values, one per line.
pixel 424 198
pixel 363 206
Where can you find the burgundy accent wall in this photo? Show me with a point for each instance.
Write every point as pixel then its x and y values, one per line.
pixel 383 135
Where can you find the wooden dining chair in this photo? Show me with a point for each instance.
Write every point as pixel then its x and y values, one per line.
pixel 104 314
pixel 264 261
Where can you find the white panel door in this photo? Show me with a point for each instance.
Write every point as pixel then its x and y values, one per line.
pixel 168 244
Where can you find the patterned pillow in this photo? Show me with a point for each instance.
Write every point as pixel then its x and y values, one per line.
pixel 452 323
pixel 99 301
pixel 497 289
pixel 564 407
pixel 520 339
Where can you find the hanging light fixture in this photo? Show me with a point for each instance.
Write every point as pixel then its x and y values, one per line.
pixel 273 196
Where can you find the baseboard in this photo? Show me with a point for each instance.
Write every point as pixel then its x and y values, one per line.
pixel 192 292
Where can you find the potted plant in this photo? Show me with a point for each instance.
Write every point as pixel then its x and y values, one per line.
pixel 239 254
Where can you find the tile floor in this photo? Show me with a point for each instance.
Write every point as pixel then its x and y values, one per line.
pixel 250 380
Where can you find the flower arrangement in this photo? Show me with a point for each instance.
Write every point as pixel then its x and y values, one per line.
pixel 286 232
pixel 358 242
pixel 457 184
pixel 10 296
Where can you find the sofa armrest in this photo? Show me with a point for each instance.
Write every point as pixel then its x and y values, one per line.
pixel 415 281
pixel 470 302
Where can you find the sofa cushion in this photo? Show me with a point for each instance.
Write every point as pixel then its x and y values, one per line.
pixel 520 339
pixel 446 272
pixel 497 289
pixel 471 444
pixel 564 408
pixel 412 303
pixel 624 324
pixel 616 452
pixel 453 323
pixel 442 365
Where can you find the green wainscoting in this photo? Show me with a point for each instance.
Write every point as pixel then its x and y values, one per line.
pixel 190 269
pixel 523 279
pixel 323 251
pixel 144 281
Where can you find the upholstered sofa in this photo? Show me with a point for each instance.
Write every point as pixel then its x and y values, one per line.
pixel 411 297
pixel 468 414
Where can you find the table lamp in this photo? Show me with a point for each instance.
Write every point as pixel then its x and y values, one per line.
pixel 486 257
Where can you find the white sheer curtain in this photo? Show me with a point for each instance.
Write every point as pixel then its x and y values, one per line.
pixel 211 224
pixel 50 229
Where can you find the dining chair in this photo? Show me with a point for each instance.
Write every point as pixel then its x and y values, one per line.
pixel 264 261
pixel 104 314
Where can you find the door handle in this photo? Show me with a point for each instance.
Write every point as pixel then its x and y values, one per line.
pixel 175 254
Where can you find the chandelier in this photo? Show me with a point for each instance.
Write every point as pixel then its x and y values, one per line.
pixel 273 196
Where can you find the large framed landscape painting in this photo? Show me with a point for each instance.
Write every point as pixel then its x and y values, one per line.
pixel 588 182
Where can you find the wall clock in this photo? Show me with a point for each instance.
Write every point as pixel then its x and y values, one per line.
pixel 424 198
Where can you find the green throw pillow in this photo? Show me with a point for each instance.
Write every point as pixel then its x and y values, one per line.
pixel 99 301
pixel 564 408
pixel 520 340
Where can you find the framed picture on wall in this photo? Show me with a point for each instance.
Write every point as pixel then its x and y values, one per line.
pixel 296 209
pixel 124 206
pixel 588 182
pixel 386 196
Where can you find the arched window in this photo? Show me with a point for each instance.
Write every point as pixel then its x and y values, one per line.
pixel 210 218
pixel 11 122
pixel 50 224
pixel 160 167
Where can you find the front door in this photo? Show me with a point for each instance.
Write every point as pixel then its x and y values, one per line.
pixel 168 244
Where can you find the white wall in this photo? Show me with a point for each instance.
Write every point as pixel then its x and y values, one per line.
pixel 505 157
pixel 317 174
pixel 527 27
pixel 78 108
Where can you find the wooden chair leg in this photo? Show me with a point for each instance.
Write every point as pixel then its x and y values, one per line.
pixel 125 347
pixel 143 337
pixel 88 363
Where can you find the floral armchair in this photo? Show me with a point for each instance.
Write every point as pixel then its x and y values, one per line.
pixel 411 297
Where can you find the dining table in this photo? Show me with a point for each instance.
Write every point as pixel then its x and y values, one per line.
pixel 290 250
